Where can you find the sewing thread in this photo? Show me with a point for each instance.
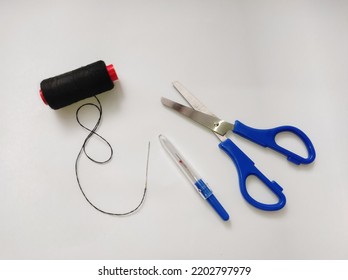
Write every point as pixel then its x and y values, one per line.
pixel 81 83
pixel 92 132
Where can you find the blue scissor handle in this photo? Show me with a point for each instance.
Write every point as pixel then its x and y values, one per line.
pixel 266 138
pixel 246 168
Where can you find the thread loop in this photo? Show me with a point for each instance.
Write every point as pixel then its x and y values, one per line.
pixel 92 132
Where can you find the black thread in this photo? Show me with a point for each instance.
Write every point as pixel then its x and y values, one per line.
pixel 83 150
pixel 73 86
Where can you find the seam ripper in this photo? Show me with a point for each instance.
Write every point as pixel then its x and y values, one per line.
pixel 194 178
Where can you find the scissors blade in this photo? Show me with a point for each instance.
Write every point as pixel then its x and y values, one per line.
pixel 191 99
pixel 195 103
pixel 215 124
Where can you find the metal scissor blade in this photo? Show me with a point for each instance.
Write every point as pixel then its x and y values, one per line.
pixel 195 104
pixel 191 99
pixel 215 124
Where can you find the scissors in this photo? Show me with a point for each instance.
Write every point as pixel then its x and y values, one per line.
pixel 263 137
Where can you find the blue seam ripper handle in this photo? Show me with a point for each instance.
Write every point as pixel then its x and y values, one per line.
pixel 210 197
pixel 266 138
pixel 246 168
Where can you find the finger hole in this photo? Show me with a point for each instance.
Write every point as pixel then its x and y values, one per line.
pixel 259 191
pixel 291 142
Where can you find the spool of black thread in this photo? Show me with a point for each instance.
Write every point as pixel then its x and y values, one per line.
pixel 73 86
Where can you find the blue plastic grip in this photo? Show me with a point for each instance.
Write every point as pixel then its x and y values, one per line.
pixel 266 138
pixel 246 168
pixel 203 189
pixel 218 207
pixel 212 200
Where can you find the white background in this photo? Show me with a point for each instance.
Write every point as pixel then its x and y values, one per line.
pixel 265 63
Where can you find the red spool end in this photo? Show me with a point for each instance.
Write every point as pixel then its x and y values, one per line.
pixel 43 97
pixel 112 72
